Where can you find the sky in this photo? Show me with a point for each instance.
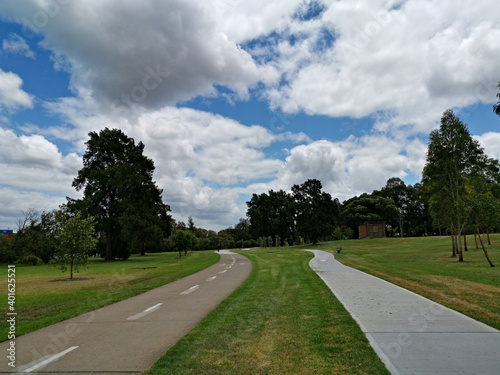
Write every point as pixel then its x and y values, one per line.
pixel 234 97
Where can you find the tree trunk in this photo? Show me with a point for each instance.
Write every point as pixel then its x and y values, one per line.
pixel 453 246
pixel 485 252
pixel 143 250
pixel 71 269
pixel 475 239
pixel 108 246
pixel 465 243
pixel 488 236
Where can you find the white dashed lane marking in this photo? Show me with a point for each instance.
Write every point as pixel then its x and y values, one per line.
pixel 190 290
pixel 145 312
pixel 50 359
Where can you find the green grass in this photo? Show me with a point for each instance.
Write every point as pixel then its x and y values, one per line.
pixel 424 265
pixel 282 320
pixel 40 301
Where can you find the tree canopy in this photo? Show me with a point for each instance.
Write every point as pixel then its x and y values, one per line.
pixel 119 191
pixel 453 159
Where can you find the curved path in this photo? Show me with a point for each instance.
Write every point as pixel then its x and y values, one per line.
pixel 129 336
pixel 410 333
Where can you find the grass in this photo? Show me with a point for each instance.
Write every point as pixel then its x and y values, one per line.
pixel 424 265
pixel 41 301
pixel 282 320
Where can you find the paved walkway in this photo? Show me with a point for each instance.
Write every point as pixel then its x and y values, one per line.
pixel 410 333
pixel 129 336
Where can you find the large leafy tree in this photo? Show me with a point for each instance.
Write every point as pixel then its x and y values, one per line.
pixel 119 192
pixel 368 207
pixel 317 213
pixel 272 214
pixel 453 157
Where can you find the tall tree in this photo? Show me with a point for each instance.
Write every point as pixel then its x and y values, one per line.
pixel 496 107
pixel 119 191
pixel 452 157
pixel 272 214
pixel 317 213
pixel 396 189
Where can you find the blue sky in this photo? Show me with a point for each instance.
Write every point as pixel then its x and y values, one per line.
pixel 233 97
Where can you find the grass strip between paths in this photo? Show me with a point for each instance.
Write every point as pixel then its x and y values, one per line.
pixel 282 320
pixel 41 301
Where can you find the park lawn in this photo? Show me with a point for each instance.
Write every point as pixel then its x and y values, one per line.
pixel 282 320
pixel 424 266
pixel 41 301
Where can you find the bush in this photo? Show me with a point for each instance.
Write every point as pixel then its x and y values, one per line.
pixel 31 260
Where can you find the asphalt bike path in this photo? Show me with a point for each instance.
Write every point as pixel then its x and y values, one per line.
pixel 411 334
pixel 128 336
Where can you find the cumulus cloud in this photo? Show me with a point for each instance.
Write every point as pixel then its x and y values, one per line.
pixel 354 165
pixel 34 175
pixel 490 141
pixel 11 94
pixel 32 162
pixel 16 44
pixel 408 61
pixel 178 54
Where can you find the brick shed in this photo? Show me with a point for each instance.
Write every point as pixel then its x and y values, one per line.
pixel 372 229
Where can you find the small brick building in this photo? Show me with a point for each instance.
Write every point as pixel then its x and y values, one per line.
pixel 372 229
pixel 7 232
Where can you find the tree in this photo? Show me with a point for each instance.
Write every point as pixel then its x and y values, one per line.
pixel 183 240
pixel 317 212
pixel 272 214
pixel 396 189
pixel 485 209
pixel 368 207
pixel 453 156
pixel 77 241
pixel 119 191
pixel 496 107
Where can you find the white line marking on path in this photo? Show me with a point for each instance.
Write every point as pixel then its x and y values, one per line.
pixel 50 359
pixel 153 307
pixel 211 278
pixel 222 271
pixel 145 312
pixel 190 290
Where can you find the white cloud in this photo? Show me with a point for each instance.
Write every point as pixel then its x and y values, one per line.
pixel 11 94
pixel 33 163
pixel 411 62
pixel 16 44
pixel 490 142
pixel 352 166
pixel 34 175
pixel 179 52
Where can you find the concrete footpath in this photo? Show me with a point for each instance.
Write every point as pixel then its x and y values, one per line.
pixel 129 336
pixel 410 333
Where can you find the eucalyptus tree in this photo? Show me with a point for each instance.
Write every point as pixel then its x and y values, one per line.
pixel 453 157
